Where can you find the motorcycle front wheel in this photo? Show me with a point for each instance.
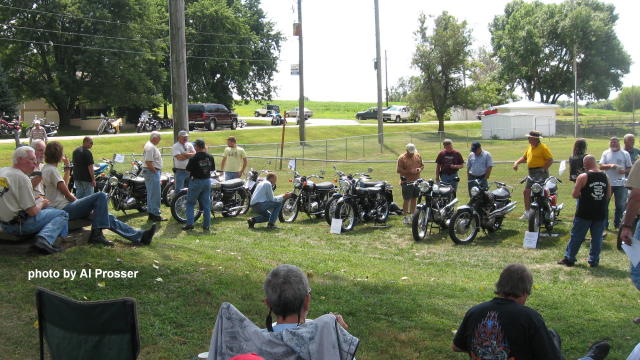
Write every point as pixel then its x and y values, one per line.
pixel 534 221
pixel 464 227
pixel 179 208
pixel 289 211
pixel 330 210
pixel 346 212
pixel 102 127
pixel 420 223
pixel 238 199
pixel 382 208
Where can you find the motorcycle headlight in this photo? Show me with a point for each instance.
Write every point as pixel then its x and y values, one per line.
pixel 344 185
pixel 423 186
pixel 296 182
pixel 475 191
pixel 113 181
pixel 436 187
pixel 536 188
pixel 134 169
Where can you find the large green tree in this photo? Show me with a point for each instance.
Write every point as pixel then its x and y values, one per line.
pixel 106 51
pixel 628 99
pixel 536 44
pixel 441 57
pixel 7 100
pixel 486 86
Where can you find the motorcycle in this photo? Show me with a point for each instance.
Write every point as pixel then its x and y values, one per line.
pixel 362 200
pixel 127 191
pixel 50 127
pixel 9 125
pixel 438 207
pixel 307 196
pixel 109 125
pixel 277 119
pixel 147 123
pixel 544 203
pixel 230 198
pixel 101 173
pixel 486 209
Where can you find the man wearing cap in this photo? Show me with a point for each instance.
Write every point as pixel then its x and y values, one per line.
pixel 409 167
pixel 234 160
pixel 617 164
pixel 37 132
pixel 182 152
pixel 199 168
pixel 151 171
pixel 479 165
pixel 448 162
pixel 538 158
pixel 84 179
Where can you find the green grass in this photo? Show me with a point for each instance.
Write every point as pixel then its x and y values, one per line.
pixel 358 274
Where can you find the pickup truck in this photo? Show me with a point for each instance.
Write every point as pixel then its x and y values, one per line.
pixel 400 113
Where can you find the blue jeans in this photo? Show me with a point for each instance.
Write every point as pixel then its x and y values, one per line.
pixel 181 179
pixel 83 189
pixel 578 233
pixel 101 219
pixel 620 195
pixel 200 191
pixel 152 182
pixel 635 270
pixel 268 210
pixel 449 179
pixel 48 224
pixel 228 175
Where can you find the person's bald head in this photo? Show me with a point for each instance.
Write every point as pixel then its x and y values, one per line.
pixel 589 162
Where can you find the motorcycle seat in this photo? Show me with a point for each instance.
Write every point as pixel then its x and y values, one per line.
pixel 232 184
pixel 327 185
pixel 364 190
pixel 138 180
pixel 368 184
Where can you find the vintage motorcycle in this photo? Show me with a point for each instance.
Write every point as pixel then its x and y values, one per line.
pixel 50 127
pixel 9 125
pixel 361 200
pixel 127 190
pixel 147 123
pixel 230 198
pixel 486 209
pixel 544 203
pixel 307 196
pixel 101 171
pixel 109 125
pixel 437 208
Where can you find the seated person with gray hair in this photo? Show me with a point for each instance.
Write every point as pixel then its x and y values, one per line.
pixel 292 336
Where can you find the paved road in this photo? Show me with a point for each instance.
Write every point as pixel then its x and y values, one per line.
pixel 310 123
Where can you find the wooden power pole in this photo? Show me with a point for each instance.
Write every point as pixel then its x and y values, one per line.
pixel 379 76
pixel 301 117
pixel 178 61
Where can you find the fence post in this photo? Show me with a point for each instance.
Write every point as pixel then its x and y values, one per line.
pixel 326 149
pixel 303 153
pixel 346 140
pixel 363 147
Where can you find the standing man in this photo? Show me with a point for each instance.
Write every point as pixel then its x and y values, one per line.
pixel 84 178
pixel 617 163
pixel 409 167
pixel 538 158
pixel 199 168
pixel 264 203
pixel 182 152
pixel 504 328
pixel 479 166
pixel 593 191
pixel 151 171
pixel 36 177
pixel 631 228
pixel 448 162
pixel 20 212
pixel 37 132
pixel 234 160
pixel 629 141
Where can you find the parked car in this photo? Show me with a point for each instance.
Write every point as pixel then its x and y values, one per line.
pixel 400 113
pixel 294 113
pixel 268 110
pixel 211 116
pixel 370 113
pixel 490 111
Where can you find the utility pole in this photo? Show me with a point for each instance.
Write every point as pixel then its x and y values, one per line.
pixel 301 117
pixel 575 93
pixel 178 61
pixel 379 76
pixel 386 79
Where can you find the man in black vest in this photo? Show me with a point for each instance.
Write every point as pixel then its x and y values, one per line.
pixel 593 191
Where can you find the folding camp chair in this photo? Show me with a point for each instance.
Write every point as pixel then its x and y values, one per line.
pixel 97 330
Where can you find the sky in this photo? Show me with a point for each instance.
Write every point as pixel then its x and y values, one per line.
pixel 339 41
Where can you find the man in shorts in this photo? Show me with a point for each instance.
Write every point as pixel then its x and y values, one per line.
pixel 538 158
pixel 409 167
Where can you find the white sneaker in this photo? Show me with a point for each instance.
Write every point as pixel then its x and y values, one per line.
pixel 406 220
pixel 525 216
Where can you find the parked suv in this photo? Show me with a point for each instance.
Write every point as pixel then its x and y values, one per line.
pixel 211 116
pixel 267 111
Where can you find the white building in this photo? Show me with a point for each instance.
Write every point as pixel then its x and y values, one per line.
pixel 515 120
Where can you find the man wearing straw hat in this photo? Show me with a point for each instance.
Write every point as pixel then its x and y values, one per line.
pixel 538 158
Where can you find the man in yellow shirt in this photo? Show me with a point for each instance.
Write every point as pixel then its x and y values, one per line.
pixel 234 160
pixel 538 159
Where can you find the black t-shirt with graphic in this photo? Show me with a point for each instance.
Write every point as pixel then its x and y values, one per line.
pixel 81 159
pixel 593 201
pixel 503 329
pixel 201 165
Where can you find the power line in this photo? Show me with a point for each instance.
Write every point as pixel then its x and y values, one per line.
pixel 77 34
pixel 63 15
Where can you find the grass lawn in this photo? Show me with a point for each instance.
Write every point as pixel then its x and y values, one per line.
pixel 401 298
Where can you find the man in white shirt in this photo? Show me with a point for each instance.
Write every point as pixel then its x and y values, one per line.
pixel 182 152
pixel 151 171
pixel 616 162
pixel 264 203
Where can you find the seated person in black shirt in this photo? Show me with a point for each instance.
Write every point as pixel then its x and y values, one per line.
pixel 199 168
pixel 504 328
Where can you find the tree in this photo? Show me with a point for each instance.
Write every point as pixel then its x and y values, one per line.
pixel 486 85
pixel 536 44
pixel 628 99
pixel 401 90
pixel 8 103
pixel 441 57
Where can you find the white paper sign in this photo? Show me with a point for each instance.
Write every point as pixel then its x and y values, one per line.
pixel 530 239
pixel 336 226
pixel 633 251
pixel 562 168
pixel 292 164
pixel 119 158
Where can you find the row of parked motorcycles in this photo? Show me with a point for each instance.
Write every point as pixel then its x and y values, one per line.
pixel 10 124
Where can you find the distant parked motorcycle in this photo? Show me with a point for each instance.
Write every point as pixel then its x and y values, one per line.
pixel 109 125
pixel 307 196
pixel 486 209
pixel 50 127
pixel 437 208
pixel 277 119
pixel 544 203
pixel 147 123
pixel 9 125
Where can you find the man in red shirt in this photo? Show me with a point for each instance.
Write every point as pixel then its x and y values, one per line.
pixel 448 162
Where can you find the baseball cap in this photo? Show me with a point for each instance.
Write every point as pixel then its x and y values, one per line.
pixel 411 148
pixel 36 121
pixel 251 356
pixel 183 133
pixel 474 146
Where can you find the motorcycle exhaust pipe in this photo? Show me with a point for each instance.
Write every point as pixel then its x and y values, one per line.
pixel 237 208
pixel 505 209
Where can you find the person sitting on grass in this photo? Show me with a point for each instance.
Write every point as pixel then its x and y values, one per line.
pixel 57 191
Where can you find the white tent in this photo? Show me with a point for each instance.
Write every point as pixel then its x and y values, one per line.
pixel 515 120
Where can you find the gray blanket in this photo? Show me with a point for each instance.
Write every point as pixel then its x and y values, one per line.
pixel 320 339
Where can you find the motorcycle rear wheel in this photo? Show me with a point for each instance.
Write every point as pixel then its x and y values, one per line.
pixel 167 194
pixel 464 227
pixel 179 208
pixel 420 223
pixel 289 211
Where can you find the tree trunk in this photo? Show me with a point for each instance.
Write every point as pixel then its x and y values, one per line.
pixel 166 111
pixel 440 122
